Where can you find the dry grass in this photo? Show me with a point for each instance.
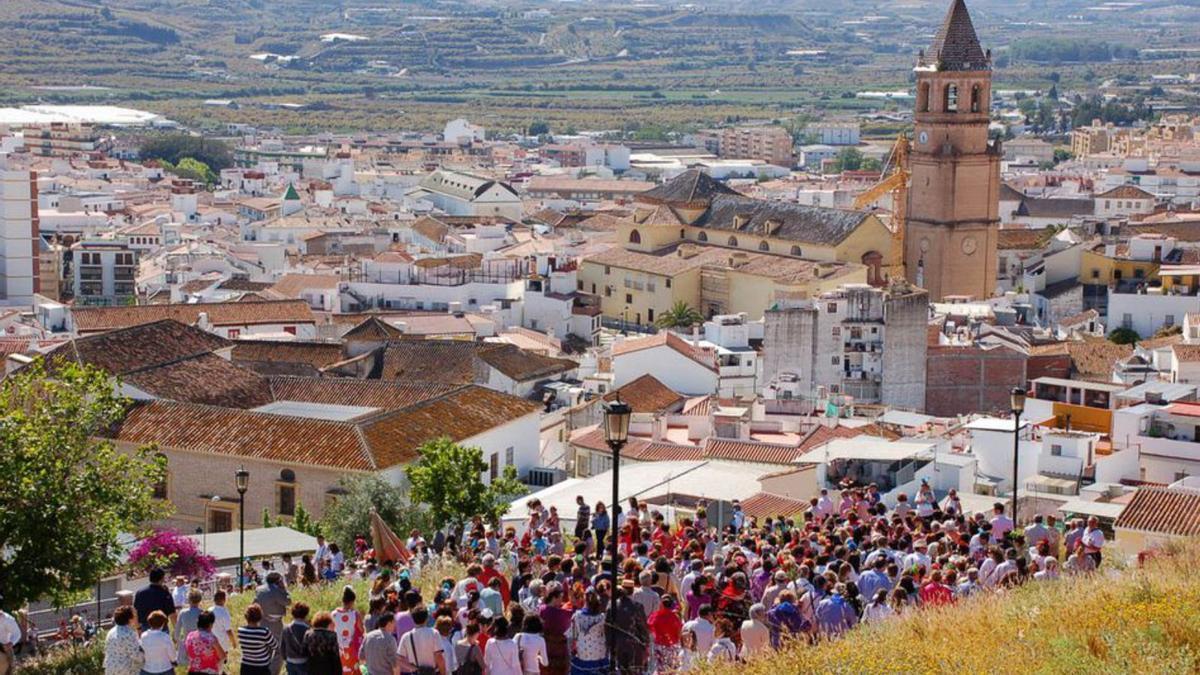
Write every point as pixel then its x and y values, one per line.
pixel 1137 621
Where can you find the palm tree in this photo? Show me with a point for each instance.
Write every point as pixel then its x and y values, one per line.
pixel 679 316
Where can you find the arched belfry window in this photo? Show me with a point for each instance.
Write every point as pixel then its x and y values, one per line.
pixel 976 95
pixel 923 97
pixel 635 237
pixel 951 101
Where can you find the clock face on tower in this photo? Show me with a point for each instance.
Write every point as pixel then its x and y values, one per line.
pixel 923 137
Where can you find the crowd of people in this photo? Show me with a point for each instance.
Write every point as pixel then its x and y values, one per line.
pixel 535 599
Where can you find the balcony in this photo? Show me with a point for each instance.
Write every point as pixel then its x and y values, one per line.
pixel 124 273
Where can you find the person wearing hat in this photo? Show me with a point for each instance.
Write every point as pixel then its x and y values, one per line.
pixel 631 633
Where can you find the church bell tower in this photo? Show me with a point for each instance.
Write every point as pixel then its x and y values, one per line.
pixel 953 202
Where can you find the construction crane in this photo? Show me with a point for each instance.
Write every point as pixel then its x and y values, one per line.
pixel 893 179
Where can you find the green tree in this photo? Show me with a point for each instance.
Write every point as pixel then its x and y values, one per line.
pixel 1124 336
pixel 849 159
pixel 174 147
pixel 681 315
pixel 871 164
pixel 539 128
pixel 302 521
pixel 68 495
pixel 266 518
pixel 448 478
pixel 190 167
pixel 350 515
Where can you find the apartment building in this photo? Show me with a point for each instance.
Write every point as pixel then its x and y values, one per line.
pixel 104 273
pixel 866 342
pixel 769 144
pixel 19 234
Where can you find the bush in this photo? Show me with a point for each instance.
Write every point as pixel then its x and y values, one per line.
pixel 173 552
pixel 1124 336
pixel 88 660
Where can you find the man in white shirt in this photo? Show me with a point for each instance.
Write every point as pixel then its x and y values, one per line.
pixel 919 558
pixel 703 629
pixel 824 507
pixel 180 593
pixel 10 635
pixel 321 556
pixel 1001 524
pixel 1036 533
pixel 421 646
pixel 756 637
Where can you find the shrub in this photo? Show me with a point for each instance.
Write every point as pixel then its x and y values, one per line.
pixel 173 552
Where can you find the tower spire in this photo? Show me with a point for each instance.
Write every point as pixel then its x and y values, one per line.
pixel 956 46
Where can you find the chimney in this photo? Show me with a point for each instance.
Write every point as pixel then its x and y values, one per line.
pixel 203 323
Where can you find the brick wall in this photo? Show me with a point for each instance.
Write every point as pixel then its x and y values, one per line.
pixel 963 380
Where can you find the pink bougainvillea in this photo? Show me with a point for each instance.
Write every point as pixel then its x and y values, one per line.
pixel 175 553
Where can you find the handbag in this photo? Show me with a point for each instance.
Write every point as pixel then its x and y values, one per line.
pixel 421 670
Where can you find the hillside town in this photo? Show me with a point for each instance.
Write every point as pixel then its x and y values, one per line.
pixel 755 386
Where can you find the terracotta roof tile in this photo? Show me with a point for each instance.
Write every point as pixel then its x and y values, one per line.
pixel 769 505
pixel 700 355
pixel 367 443
pixel 462 413
pixel 355 392
pixel 292 285
pixel 750 451
pixel 647 394
pixel 139 347
pixel 639 449
pixel 1095 358
pixel 93 319
pixel 1186 353
pixel 241 433
pixel 286 358
pixel 1162 510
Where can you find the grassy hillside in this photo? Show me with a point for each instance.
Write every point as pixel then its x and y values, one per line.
pixel 1135 621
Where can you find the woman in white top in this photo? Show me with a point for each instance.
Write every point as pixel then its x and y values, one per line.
pixel 501 657
pixel 878 608
pixel 531 646
pixel 723 649
pixel 157 647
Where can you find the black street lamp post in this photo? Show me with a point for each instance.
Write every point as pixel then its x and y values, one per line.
pixel 1018 406
pixel 242 478
pixel 616 434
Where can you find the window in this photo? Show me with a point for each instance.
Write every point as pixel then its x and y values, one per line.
pixel 508 456
pixel 1056 450
pixel 608 291
pixel 1139 273
pixel 650 315
pixel 975 96
pixel 1169 321
pixel 1095 274
pixel 764 246
pixel 220 520
pixel 732 241
pixel 703 236
pixel 287 500
pixel 832 308
pixel 494 466
pixel 796 251
pixel 650 285
pixel 923 97
pixel 635 237
pixel 837 331
pixel 290 330
pixel 835 360
pixel 629 298
pixel 234 333
pixel 607 269
pixel 951 98
pixel 1127 320
pixel 668 282
pixel 682 234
